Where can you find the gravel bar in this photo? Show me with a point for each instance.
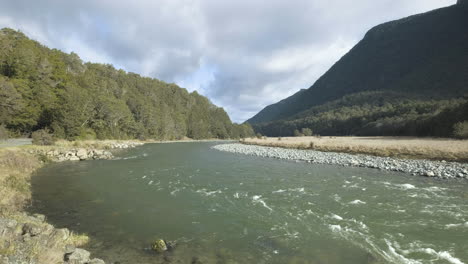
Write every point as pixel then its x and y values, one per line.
pixel 440 169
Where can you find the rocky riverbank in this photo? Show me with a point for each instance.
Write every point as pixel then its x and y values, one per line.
pixel 28 238
pixel 89 153
pixel 440 169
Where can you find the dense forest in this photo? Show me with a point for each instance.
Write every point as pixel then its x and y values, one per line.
pixel 407 77
pixel 42 88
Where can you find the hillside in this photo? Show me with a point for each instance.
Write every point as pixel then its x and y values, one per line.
pixel 419 62
pixel 42 88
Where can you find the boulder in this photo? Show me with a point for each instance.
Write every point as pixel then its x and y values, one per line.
pixel 32 229
pixel 74 158
pixel 159 246
pixel 79 256
pixel 430 174
pixel 82 154
pixel 97 261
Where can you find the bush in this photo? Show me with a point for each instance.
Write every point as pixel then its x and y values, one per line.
pixel 42 137
pixel 259 136
pixel 460 130
pixel 297 133
pixel 3 133
pixel 307 132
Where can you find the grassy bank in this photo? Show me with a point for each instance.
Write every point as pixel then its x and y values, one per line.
pixel 30 238
pixel 399 147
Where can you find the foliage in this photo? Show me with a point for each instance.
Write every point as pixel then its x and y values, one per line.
pixel 259 136
pixel 306 132
pixel 42 137
pixel 389 115
pixel 297 133
pixel 391 83
pixel 42 88
pixel 3 133
pixel 460 130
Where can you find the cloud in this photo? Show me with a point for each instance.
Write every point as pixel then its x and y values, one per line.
pixel 242 54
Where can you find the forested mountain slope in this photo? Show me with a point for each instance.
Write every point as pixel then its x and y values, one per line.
pixel 46 88
pixel 419 62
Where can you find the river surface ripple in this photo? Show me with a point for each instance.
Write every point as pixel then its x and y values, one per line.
pixel 229 208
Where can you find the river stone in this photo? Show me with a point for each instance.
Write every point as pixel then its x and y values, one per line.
pixel 79 256
pixel 82 154
pixel 159 246
pixel 430 174
pixel 32 229
pixel 69 249
pixel 61 234
pixel 96 261
pixel 40 217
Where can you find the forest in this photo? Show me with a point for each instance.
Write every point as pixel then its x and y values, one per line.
pixel 47 89
pixel 378 114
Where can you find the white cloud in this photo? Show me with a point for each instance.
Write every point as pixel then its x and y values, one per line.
pixel 242 54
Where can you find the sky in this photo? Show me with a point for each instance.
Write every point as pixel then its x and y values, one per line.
pixel 242 54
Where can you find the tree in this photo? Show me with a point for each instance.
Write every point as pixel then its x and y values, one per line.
pixel 307 132
pixel 460 130
pixel 297 133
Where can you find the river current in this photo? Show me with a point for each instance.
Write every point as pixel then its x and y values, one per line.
pixel 229 208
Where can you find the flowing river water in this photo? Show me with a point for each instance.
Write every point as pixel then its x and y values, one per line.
pixel 229 208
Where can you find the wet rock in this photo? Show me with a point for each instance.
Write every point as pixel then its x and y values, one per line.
pixel 159 246
pixel 79 256
pixel 171 245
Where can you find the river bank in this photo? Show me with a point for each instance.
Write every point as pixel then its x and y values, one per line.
pixel 439 169
pixel 26 238
pixel 396 147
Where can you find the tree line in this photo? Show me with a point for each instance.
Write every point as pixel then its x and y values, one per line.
pixel 377 113
pixel 42 88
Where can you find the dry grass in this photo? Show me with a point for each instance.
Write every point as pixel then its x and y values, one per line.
pixel 402 147
pixel 16 167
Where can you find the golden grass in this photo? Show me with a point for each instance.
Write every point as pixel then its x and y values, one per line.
pixel 402 147
pixel 16 167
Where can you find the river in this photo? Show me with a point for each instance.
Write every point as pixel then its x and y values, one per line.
pixel 228 208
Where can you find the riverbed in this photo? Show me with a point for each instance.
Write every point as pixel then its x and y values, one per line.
pixel 222 207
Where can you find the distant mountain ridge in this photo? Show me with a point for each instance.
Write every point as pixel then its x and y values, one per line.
pixel 423 57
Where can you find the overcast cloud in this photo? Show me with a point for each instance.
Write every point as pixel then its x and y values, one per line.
pixel 242 54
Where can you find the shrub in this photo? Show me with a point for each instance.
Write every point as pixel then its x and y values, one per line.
pixel 297 133
pixel 42 137
pixel 460 130
pixel 307 132
pixel 279 139
pixel 259 136
pixel 3 133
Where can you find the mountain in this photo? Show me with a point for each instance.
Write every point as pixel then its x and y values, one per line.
pixel 42 88
pixel 415 61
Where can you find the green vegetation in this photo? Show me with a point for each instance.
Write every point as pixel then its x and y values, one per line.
pixel 42 88
pixel 42 137
pixel 3 133
pixel 460 129
pixel 375 113
pixel 406 77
